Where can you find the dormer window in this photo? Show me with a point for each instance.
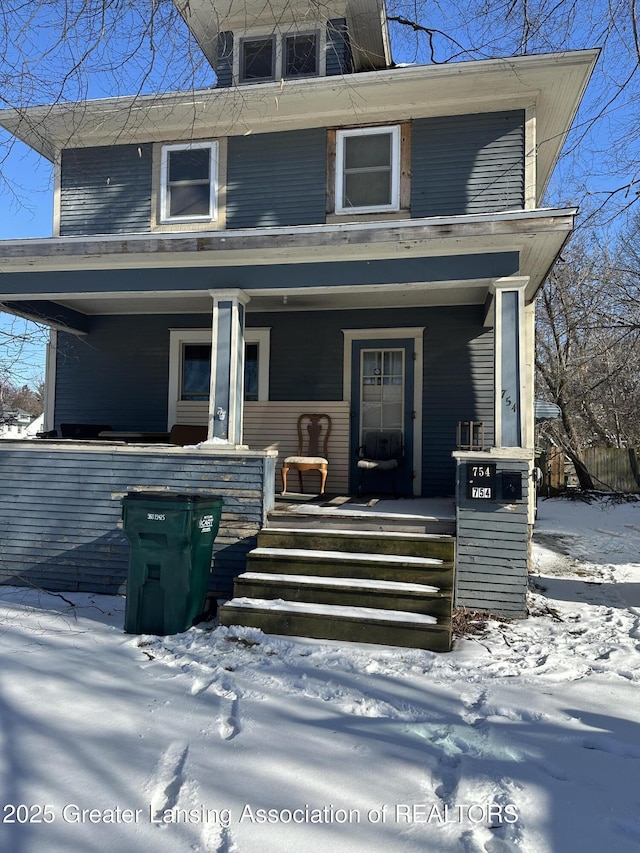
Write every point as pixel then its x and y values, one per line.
pixel 281 55
pixel 188 182
pixel 300 55
pixel 257 59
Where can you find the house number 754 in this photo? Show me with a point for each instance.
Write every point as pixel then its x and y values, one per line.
pixel 507 399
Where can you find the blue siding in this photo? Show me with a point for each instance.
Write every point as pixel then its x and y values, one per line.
pixel 467 164
pixel 105 190
pixel 118 373
pixel 339 54
pixel 492 547
pixel 276 179
pixel 60 510
pixel 224 71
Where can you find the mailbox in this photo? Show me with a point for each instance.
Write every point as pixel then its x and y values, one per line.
pixel 511 486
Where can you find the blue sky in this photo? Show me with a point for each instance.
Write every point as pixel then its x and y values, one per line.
pixel 26 209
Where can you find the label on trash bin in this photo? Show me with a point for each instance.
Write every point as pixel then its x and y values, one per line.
pixel 205 523
pixel 156 516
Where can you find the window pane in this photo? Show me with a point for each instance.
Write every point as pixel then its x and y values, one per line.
pixel 257 59
pixel 196 371
pixel 300 56
pixel 363 152
pixel 393 363
pixel 251 372
pixel 371 363
pixel 189 165
pixel 189 200
pixel 363 189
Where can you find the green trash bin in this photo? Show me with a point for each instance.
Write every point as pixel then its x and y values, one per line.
pixel 171 538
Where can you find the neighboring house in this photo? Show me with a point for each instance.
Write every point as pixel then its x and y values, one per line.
pixel 20 424
pixel 332 233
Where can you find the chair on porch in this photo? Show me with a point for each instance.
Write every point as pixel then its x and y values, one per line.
pixel 313 436
pixel 381 451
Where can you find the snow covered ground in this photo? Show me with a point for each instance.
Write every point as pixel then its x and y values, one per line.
pixel 525 738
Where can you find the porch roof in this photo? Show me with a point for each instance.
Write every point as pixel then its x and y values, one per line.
pixel 439 260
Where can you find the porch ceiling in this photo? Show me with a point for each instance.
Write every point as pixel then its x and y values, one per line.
pixel 412 295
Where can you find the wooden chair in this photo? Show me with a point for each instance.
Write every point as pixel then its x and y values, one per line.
pixel 314 431
pixel 381 451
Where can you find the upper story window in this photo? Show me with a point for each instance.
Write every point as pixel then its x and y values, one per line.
pixel 367 170
pixel 289 55
pixel 257 59
pixel 300 55
pixel 188 182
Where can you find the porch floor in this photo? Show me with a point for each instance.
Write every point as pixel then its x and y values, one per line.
pixel 426 515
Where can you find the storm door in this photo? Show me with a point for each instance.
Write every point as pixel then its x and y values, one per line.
pixel 382 401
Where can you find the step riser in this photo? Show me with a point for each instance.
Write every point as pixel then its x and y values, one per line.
pixel 441 576
pixel 429 605
pixel 436 638
pixel 441 549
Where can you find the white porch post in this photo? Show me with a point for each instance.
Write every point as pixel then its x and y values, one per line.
pixel 227 365
pixel 511 393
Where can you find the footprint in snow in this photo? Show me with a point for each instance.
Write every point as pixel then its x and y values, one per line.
pixel 169 778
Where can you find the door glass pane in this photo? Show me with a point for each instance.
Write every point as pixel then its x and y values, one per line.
pixel 382 390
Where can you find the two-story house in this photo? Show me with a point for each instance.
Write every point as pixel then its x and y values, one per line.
pixel 320 232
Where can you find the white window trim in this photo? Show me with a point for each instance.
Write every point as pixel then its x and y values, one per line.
pixel 280 35
pixel 341 135
pixel 213 181
pixel 179 337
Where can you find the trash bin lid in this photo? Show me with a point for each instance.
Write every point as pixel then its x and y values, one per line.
pixel 165 497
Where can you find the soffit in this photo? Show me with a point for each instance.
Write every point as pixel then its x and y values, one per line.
pixel 552 84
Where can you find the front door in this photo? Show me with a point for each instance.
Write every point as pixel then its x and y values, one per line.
pixel 382 400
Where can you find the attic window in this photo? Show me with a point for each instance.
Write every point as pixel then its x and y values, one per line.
pixel 300 55
pixel 257 59
pixel 367 170
pixel 188 183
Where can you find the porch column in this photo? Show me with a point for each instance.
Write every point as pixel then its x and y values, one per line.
pixel 227 365
pixel 510 361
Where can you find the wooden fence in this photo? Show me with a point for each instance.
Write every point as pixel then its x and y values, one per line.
pixel 614 469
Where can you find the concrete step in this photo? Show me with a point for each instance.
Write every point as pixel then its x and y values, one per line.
pixel 340 564
pixel 440 546
pixel 338 622
pixel 357 592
